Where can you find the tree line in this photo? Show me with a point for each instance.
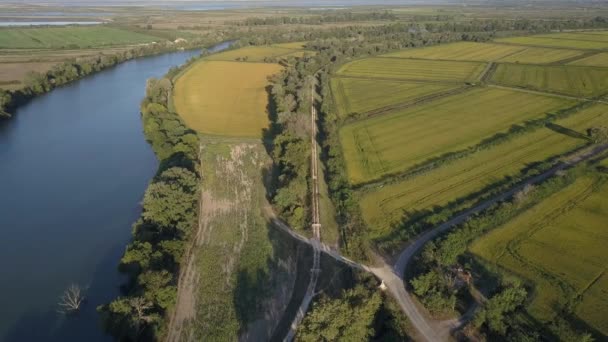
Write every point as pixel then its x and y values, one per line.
pixel 37 83
pixel 160 236
pixel 337 17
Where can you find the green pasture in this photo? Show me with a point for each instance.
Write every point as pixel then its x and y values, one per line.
pixel 461 51
pixel 413 69
pixel 559 247
pixel 69 37
pixel 537 55
pixel 569 80
pixel 387 205
pixel 356 95
pixel 598 60
pixel 397 141
pixel 555 41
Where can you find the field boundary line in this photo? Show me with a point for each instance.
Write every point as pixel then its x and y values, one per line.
pixel 548 46
pixel 565 61
pixel 413 80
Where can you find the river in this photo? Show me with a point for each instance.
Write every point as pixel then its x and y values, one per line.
pixel 74 165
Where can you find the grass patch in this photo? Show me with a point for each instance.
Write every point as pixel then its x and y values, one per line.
pixel 536 55
pixel 354 95
pixel 570 80
pixel 598 60
pixel 394 142
pixel 251 54
pixel 413 69
pixel 385 207
pixel 559 247
pixel 69 37
pixel 555 41
pixel 236 256
pixel 225 98
pixel 461 51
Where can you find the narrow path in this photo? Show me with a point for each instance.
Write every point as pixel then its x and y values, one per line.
pixel 316 226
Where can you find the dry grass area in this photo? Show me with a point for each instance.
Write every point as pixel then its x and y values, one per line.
pixel 225 98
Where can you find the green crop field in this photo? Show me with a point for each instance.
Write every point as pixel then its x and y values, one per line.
pixel 355 95
pixel 555 42
pixel 570 80
pixel 251 54
pixel 413 69
pixel 225 98
pixel 397 141
pixel 599 60
pixel 69 37
pixel 559 246
pixel 581 36
pixel 461 51
pixel 385 206
pixel 537 55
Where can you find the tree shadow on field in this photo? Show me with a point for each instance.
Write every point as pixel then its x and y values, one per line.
pixel 566 131
pixel 268 136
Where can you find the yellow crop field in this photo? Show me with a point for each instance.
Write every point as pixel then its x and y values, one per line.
pixel 555 42
pixel 461 51
pixel 536 55
pixel 397 141
pixel 225 98
pixel 384 207
pixel 251 54
pixel 599 60
pixel 356 95
pixel 413 69
pixel 582 36
pixel 559 246
pixel 570 80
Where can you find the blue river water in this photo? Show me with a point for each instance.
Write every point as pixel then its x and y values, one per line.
pixel 74 165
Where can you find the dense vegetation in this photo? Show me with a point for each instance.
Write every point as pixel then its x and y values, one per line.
pixel 445 268
pixel 169 212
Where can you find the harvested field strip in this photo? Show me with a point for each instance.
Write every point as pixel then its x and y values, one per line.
pixel 395 142
pixel 413 69
pixel 385 206
pixel 461 51
pixel 535 55
pixel 598 60
pixel 225 98
pixel 559 246
pixel 362 95
pixel 569 80
pixel 251 54
pixel 552 42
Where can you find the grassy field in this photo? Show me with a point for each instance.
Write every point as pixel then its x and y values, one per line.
pixel 252 54
pixel 354 95
pixel 537 55
pixel 225 98
pixel 570 80
pixel 412 69
pixel 559 247
pixel 383 207
pixel 582 36
pixel 461 51
pixel 397 141
pixel 599 60
pixel 556 41
pixel 242 272
pixel 69 37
